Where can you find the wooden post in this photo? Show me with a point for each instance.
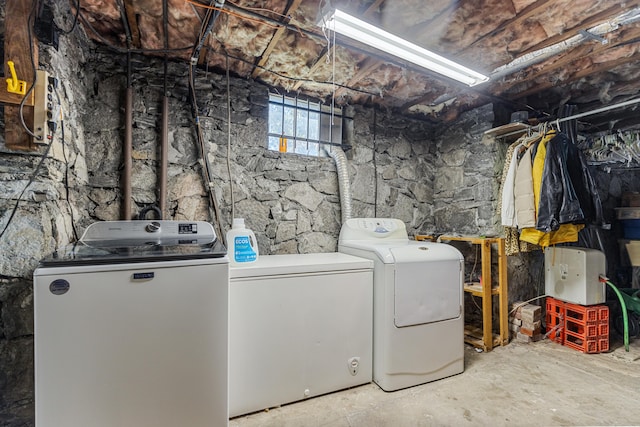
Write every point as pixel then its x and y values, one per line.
pixel 16 49
pixel 503 297
pixel 487 285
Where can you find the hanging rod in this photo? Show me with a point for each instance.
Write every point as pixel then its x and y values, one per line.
pixel 573 117
pixel 598 110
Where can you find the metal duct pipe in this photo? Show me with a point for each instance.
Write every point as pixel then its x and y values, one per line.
pixel 549 51
pixel 128 143
pixel 342 168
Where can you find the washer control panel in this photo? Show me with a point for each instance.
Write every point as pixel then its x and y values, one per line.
pixel 142 230
pixel 373 229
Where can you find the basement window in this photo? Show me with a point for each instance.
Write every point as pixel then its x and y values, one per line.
pixel 303 127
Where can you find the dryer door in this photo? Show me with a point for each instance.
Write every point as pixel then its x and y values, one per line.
pixel 428 284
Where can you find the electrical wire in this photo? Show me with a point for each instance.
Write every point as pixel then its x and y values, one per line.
pixel 31 179
pixel 522 304
pixel 375 165
pixel 233 212
pixel 119 49
pixel 66 171
pixel 257 9
pixel 207 25
pixel 230 12
pixel 33 68
pixel 108 44
pixel 75 20
pixel 296 79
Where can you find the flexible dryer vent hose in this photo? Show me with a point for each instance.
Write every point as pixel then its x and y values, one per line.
pixel 342 167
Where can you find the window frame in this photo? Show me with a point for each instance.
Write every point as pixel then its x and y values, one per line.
pixel 303 141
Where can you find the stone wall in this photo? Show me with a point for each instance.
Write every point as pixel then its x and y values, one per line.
pixel 43 220
pixel 290 201
pixel 468 173
pixel 436 179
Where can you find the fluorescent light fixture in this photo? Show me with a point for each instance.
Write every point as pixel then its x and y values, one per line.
pixel 347 25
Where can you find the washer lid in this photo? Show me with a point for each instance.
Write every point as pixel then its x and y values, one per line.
pixel 119 242
pixel 83 254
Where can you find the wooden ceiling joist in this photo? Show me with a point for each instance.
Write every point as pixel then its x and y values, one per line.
pixel 372 8
pixel 517 20
pixel 566 63
pixel 591 22
pixel 367 66
pixel 131 22
pixel 275 39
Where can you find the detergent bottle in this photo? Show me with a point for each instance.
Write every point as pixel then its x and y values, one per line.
pixel 242 244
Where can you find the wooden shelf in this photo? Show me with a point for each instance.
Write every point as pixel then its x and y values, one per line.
pixel 476 289
pixel 484 337
pixel 514 130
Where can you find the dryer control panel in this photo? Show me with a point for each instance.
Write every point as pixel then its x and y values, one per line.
pixel 373 229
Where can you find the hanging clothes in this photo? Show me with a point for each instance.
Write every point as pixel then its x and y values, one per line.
pixel 558 202
pixel 507 192
pixel 579 172
pixel 523 190
pixel 508 211
pixel 564 233
pixel 513 244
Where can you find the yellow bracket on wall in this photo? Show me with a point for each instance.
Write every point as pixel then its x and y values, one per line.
pixel 13 84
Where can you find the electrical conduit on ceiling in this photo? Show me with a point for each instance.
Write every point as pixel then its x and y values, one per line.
pixel 549 51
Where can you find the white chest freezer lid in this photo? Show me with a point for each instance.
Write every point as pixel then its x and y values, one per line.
pixel 275 265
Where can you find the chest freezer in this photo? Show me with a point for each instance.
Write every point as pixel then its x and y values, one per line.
pixel 301 325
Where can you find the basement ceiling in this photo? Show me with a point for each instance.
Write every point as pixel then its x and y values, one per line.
pixel 539 54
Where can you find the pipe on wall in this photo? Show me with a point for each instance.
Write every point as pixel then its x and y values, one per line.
pixel 342 168
pixel 540 55
pixel 164 156
pixel 127 151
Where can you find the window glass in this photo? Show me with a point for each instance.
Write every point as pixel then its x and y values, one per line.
pixel 302 127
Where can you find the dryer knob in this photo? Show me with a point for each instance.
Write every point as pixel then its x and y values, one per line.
pixel 153 227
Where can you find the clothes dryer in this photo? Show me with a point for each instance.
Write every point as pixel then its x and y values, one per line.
pixel 418 319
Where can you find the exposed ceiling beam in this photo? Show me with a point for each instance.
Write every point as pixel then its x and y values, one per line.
pixel 275 39
pixel 589 23
pixel 321 60
pixel 365 68
pixel 373 7
pixel 566 63
pixel 602 67
pixel 525 14
pixel 130 22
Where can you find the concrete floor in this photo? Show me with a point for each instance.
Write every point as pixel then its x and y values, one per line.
pixel 538 384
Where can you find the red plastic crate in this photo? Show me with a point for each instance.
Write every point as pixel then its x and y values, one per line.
pixel 586 314
pixel 554 306
pixel 583 328
pixel 591 345
pixel 555 328
pixel 554 319
pixel 603 329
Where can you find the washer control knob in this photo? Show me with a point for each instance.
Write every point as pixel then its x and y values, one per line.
pixel 153 227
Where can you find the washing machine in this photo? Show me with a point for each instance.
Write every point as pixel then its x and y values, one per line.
pixel 418 318
pixel 131 328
